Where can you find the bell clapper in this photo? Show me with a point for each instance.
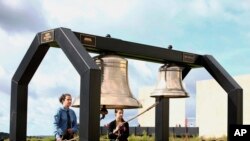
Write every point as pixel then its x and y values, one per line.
pixel 103 112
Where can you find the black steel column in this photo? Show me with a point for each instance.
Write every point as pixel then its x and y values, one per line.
pixel 18 113
pixel 90 83
pixel 233 89
pixel 162 119
pixel 19 89
pixel 90 106
pixel 234 109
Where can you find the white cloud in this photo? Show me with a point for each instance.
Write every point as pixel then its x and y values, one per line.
pixel 13 48
pixel 2 72
pixel 141 74
pixel 17 16
pixel 4 112
pixel 13 3
pixel 40 115
pixel 86 14
pixel 203 8
pixel 221 10
pixel 4 81
pixel 55 72
pixel 142 68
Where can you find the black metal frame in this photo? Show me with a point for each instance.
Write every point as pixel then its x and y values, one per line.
pixel 76 47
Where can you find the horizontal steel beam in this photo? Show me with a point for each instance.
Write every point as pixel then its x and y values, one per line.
pixel 98 44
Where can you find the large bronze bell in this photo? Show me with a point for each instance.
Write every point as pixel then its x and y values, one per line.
pixel 115 91
pixel 170 83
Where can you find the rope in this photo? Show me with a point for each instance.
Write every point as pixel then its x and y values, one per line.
pixel 150 107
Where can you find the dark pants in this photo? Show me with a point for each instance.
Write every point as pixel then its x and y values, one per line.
pixel 68 136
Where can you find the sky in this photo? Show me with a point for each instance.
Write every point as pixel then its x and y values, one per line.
pixel 218 28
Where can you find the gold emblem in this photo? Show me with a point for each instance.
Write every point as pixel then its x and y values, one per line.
pixel 47 36
pixel 188 57
pixel 88 40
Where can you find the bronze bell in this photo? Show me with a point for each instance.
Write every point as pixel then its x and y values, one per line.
pixel 115 91
pixel 76 102
pixel 170 83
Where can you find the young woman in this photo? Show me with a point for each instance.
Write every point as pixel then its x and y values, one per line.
pixel 65 121
pixel 118 129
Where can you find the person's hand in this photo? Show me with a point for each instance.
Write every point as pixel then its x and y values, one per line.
pixel 118 128
pixel 70 130
pixel 59 139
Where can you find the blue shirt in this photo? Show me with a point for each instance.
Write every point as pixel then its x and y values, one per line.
pixel 60 121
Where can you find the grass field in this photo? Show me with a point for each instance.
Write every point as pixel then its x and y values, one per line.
pixel 132 137
pixel 139 138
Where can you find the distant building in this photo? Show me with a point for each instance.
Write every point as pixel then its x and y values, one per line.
pixel 176 110
pixel 211 106
pixel 4 136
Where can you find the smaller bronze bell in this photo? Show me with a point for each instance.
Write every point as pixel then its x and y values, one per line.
pixel 170 83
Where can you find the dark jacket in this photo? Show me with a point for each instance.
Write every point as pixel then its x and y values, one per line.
pixel 124 131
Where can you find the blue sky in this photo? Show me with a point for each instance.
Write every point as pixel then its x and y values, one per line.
pixel 219 28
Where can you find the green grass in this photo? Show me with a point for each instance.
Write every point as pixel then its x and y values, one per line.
pixel 144 137
pixel 38 139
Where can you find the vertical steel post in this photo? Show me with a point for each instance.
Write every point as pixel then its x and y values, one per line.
pixel 18 114
pixel 233 89
pixel 90 106
pixel 19 89
pixel 90 83
pixel 162 119
pixel 234 108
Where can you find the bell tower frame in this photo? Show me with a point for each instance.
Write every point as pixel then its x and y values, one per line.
pixel 76 46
